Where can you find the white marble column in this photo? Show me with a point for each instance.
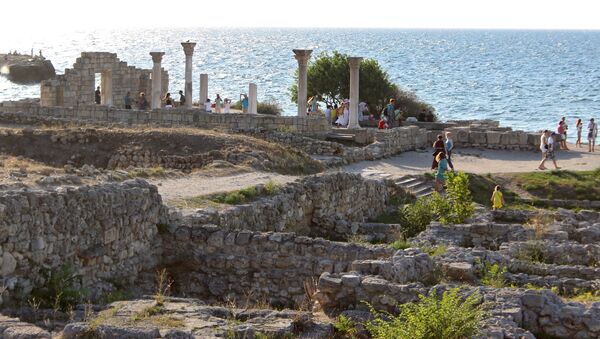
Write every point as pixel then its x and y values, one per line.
pixel 302 55
pixel 354 63
pixel 252 99
pixel 188 49
pixel 156 79
pixel 203 89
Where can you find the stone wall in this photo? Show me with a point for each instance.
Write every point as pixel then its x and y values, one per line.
pixel 511 140
pixel 104 231
pixel 386 143
pixel 214 264
pixel 23 110
pixel 77 85
pixel 327 205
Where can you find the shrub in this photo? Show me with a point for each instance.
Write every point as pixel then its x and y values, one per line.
pixel 271 107
pixel 61 290
pixel 458 198
pixel 411 106
pixel 447 317
pixel 415 217
pixel 493 275
pixel 345 327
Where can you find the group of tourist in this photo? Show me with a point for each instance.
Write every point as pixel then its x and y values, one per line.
pixel 551 141
pixel 442 159
pixel 224 105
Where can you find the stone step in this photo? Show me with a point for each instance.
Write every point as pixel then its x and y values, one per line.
pixel 425 190
pixel 415 185
pixel 405 181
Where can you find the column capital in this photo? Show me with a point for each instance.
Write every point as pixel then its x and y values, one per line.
pixel 157 56
pixel 302 55
pixel 188 48
pixel 354 62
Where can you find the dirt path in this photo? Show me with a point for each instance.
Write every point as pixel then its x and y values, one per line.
pixel 478 161
pixel 203 183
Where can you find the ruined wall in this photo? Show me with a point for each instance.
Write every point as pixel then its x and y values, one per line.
pixel 214 264
pixel 77 85
pixel 326 205
pixel 105 232
pixel 27 111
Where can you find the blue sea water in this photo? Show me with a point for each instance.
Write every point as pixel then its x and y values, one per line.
pixel 525 79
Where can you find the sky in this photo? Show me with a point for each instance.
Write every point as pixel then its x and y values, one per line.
pixel 65 15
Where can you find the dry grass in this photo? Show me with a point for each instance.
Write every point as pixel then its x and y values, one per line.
pixel 12 163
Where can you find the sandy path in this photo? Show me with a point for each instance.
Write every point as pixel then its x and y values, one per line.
pixel 203 183
pixel 478 161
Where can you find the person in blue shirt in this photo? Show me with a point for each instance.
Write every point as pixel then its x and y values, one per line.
pixel 440 178
pixel 449 147
pixel 245 103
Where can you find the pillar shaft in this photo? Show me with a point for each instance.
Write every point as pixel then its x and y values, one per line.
pixel 156 79
pixel 252 99
pixel 354 63
pixel 203 89
pixel 188 49
pixel 302 55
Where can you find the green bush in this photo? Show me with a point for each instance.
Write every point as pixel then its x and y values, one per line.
pixel 411 106
pixel 61 289
pixel 459 203
pixel 415 217
pixel 345 327
pixel 401 244
pixel 271 107
pixel 431 318
pixel 493 275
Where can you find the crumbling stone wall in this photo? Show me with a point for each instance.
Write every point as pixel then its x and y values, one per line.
pixel 76 86
pixel 25 111
pixel 215 264
pixel 105 232
pixel 325 205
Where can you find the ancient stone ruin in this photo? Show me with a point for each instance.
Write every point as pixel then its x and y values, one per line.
pixel 76 86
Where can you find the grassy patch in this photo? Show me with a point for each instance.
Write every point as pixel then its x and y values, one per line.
pixel 345 327
pixel 434 250
pixel 102 318
pixel 481 188
pixel 401 244
pixel 242 196
pixel 569 185
pixel 586 297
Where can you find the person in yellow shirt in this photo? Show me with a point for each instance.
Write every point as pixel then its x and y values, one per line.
pixel 497 199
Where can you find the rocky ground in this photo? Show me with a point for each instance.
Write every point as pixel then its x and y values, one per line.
pixel 537 272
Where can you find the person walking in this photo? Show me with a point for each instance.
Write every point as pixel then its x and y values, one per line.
pixel 497 198
pixel 579 127
pixel 127 100
pixel 438 147
pixel 218 103
pixel 549 146
pixel 442 167
pixel 592 134
pixel 449 147
pixel 328 114
pixel 181 99
pixel 97 96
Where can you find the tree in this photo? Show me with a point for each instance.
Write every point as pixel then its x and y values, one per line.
pixel 329 80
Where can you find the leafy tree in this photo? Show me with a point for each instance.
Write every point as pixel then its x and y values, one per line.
pixel 329 80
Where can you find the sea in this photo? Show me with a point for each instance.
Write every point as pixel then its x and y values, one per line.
pixel 525 79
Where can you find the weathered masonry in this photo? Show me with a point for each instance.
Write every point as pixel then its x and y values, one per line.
pixel 76 87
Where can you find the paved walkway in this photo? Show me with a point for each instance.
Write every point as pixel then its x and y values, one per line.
pixel 478 161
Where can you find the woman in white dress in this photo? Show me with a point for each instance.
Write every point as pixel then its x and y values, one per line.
pixel 345 118
pixel 227 105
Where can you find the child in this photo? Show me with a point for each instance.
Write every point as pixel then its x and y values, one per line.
pixel 497 199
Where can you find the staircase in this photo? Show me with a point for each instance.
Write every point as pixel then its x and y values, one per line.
pixel 415 185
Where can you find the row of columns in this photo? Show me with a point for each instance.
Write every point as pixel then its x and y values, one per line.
pixel 188 49
pixel 303 55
